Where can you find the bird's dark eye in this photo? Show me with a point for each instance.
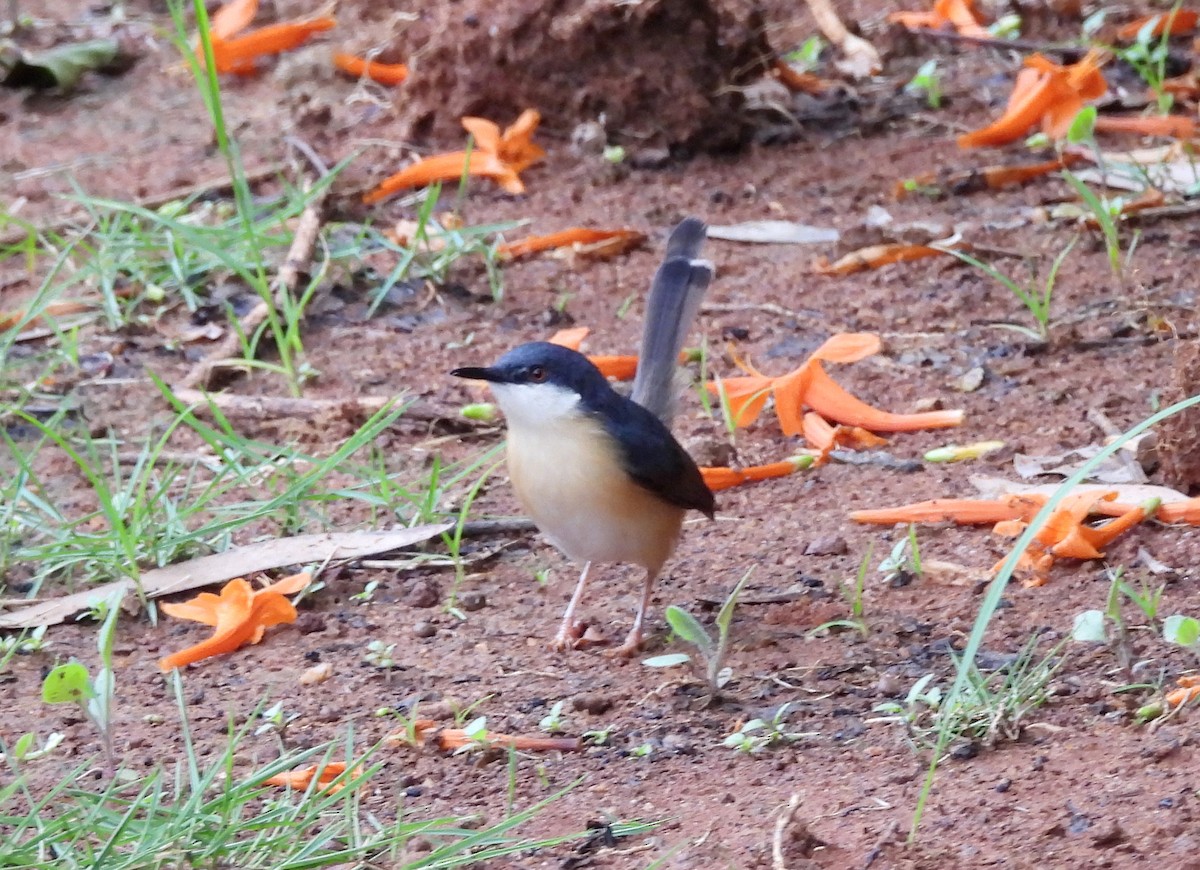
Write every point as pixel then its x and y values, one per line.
pixel 537 374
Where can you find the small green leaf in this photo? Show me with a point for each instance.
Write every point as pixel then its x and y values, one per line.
pixel 484 412
pixel 688 627
pixel 670 660
pixel 67 684
pixel 60 67
pixel 25 742
pixel 1089 627
pixel 1182 630
pixel 1083 127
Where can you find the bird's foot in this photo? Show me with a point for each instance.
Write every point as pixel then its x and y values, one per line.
pixel 570 633
pixel 628 649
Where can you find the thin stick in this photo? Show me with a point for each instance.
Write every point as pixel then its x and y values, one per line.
pixel 778 862
pixel 272 407
pixel 299 257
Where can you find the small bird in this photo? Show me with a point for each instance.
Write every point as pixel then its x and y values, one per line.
pixel 600 474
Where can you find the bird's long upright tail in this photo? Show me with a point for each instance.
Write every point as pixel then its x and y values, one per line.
pixel 675 296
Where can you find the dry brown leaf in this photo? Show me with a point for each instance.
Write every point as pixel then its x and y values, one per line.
pixel 220 567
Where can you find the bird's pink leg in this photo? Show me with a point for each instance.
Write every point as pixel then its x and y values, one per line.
pixel 568 632
pixel 633 640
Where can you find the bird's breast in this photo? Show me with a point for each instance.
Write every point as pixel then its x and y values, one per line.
pixel 568 476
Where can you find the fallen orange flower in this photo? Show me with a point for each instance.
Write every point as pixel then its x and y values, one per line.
pixel 238 54
pixel 795 81
pixel 571 338
pixel 1175 22
pixel 723 477
pixel 824 437
pixel 360 67
pixel 810 386
pixel 457 738
pixel 1188 691
pixel 239 615
pixel 873 257
pixel 301 778
pixel 232 18
pixel 958 13
pixel 582 239
pixel 1175 126
pixel 1044 93
pixel 987 178
pixel 496 156
pixel 964 511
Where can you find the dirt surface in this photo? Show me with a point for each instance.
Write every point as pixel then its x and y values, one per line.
pixel 1081 786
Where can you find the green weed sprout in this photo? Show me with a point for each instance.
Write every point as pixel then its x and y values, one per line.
pixel 927 82
pixel 758 734
pixel 711 651
pixel 71 683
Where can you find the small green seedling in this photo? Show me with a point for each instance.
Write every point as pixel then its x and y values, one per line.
pixel 476 733
pixel 712 652
pixel 643 751
pixel 758 734
pixel 22 644
pixel 808 55
pixel 552 722
pixel 599 736
pixel 1182 631
pixel 379 655
pixel 905 558
pixel 854 595
pixel 26 748
pixel 367 593
pixel 276 720
pixel 926 82
pixel 71 683
pixel 1006 27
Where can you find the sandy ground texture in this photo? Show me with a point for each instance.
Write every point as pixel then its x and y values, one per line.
pixel 1079 783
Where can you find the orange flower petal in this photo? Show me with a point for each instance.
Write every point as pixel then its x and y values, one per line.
pixel 239 617
pixel 848 347
pixel 232 18
pixel 621 367
pixel 446 167
pixel 722 477
pixel 833 403
pixel 873 257
pixel 570 338
pixel 746 396
pixel 301 778
pixel 1175 126
pixel 574 237
pixel 485 133
pixel 1175 22
pixel 237 54
pixel 961 511
pixel 360 67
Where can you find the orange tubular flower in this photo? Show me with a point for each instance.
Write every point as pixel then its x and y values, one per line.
pixel 302 777
pixel 810 385
pixel 956 510
pixel 823 437
pixel 1175 22
pixel 383 73
pixel 495 156
pixel 1174 126
pixel 1188 691
pixel 723 477
pixel 875 256
pixel 238 54
pixel 958 13
pixel 1044 93
pixel 239 616
pixel 579 238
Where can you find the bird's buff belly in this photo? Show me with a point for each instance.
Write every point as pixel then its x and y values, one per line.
pixel 573 487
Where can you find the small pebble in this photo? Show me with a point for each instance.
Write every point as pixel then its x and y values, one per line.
pixel 472 601
pixel 309 622
pixel 318 673
pixel 592 703
pixel 424 629
pixel 423 593
pixel 833 545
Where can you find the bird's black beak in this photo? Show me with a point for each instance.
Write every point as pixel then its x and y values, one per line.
pixel 478 373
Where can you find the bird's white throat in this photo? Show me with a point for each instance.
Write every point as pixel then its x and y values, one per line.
pixel 528 405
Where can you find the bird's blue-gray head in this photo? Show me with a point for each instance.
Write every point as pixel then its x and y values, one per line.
pixel 539 382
